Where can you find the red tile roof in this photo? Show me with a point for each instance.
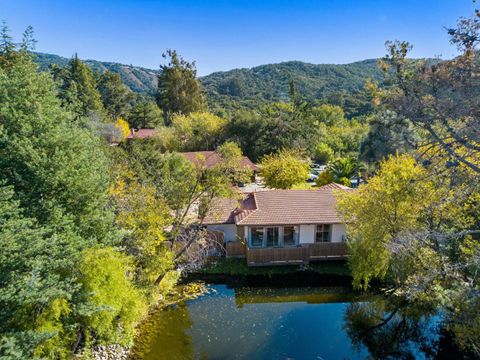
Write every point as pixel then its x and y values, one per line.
pixel 334 186
pixel 212 158
pixel 222 211
pixel 280 207
pixel 143 134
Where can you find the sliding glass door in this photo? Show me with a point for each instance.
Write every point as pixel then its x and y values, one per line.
pixel 290 235
pixel 272 236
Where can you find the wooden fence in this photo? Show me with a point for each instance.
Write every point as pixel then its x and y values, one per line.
pixel 295 255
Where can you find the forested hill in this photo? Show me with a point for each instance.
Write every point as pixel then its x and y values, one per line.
pixel 265 82
pixel 271 82
pixel 137 78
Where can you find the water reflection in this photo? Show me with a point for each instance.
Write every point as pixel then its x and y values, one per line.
pixel 165 335
pixel 303 323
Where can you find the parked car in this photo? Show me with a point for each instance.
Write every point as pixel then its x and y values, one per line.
pixel 313 175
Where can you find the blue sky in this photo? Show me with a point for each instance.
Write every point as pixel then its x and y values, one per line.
pixel 223 34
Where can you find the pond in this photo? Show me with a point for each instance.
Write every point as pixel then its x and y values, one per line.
pixel 288 323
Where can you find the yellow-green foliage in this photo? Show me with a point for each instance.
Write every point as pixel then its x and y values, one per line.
pixel 143 215
pixel 113 304
pixel 323 153
pixel 284 169
pixel 50 321
pixel 230 150
pixel 324 178
pixel 341 135
pixel 391 202
pixel 196 131
pixel 123 127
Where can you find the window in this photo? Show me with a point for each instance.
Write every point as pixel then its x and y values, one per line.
pixel 290 235
pixel 272 236
pixel 323 233
pixel 256 236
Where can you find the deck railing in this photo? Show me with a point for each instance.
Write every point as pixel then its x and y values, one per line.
pixel 327 250
pixel 293 255
pixel 235 249
pixel 277 256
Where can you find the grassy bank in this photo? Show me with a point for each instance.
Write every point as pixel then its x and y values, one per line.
pixel 238 267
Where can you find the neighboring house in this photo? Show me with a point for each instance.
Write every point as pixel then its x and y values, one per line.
pixel 142 134
pixel 276 227
pixel 212 158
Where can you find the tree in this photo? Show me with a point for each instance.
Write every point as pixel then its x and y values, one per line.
pixel 6 41
pixel 10 52
pixel 122 126
pixel 388 134
pixel 143 214
pixel 229 150
pixel 184 186
pixel 179 90
pixel 247 128
pixel 78 88
pixel 55 223
pixel 144 113
pixel 329 114
pixel 113 305
pixel 289 125
pixel 35 278
pixel 323 153
pixel 441 97
pixel 116 97
pixel 55 166
pixel 194 132
pixel 284 169
pixel 379 211
pixel 341 171
pixel 233 86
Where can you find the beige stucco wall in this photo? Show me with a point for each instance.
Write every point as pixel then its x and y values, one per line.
pixel 307 233
pixel 229 231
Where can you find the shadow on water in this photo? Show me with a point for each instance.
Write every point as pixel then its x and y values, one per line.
pixel 292 323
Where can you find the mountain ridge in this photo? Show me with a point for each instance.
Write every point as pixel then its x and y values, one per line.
pixel 245 87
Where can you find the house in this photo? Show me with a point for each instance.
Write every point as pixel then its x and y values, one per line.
pixel 276 227
pixel 212 158
pixel 142 134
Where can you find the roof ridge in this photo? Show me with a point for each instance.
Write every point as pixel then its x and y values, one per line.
pixel 249 212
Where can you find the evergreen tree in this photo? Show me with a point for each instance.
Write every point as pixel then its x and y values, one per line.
pixel 78 88
pixel 54 166
pixel 115 95
pixel 54 223
pixel 6 41
pixel 144 113
pixel 179 90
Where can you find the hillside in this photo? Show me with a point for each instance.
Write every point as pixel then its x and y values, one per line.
pixel 246 87
pixel 271 82
pixel 137 78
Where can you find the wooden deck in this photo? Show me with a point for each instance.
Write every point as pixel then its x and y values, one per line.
pixel 277 256
pixel 235 249
pixel 289 255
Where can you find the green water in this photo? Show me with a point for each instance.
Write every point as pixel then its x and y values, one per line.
pixel 300 323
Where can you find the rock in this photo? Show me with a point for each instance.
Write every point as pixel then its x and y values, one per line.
pixel 109 352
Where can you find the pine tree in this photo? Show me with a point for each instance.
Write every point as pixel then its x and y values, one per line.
pixel 179 90
pixel 78 88
pixel 116 97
